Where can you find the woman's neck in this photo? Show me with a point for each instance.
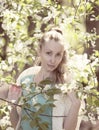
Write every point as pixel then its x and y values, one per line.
pixel 42 75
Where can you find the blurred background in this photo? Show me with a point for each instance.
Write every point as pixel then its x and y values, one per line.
pixel 22 23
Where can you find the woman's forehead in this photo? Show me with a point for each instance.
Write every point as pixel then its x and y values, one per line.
pixel 53 45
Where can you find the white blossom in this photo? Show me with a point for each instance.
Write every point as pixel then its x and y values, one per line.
pixel 5 121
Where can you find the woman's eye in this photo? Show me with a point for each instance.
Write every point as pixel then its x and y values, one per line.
pixel 58 54
pixel 48 53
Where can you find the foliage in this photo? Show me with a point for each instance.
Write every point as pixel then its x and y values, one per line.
pixel 22 22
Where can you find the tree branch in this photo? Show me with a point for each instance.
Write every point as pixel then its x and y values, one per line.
pixel 29 109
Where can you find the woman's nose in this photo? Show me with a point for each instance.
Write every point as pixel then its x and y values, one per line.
pixel 52 59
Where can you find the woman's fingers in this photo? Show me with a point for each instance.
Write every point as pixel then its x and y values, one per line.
pixel 14 93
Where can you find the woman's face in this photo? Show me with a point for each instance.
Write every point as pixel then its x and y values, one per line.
pixel 51 55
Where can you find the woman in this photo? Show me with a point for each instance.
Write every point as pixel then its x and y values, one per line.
pixel 53 57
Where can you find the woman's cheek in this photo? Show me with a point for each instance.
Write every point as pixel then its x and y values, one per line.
pixel 47 57
pixel 59 60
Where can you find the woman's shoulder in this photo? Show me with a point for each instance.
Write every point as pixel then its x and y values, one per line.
pixel 29 71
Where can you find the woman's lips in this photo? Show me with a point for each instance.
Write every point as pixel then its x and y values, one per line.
pixel 52 66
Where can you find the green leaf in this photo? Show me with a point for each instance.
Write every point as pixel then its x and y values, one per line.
pixel 33 123
pixel 43 126
pixel 46 81
pixel 89 100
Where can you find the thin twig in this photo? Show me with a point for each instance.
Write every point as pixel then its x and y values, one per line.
pixel 11 102
pixel 29 109
pixel 28 113
pixel 95 5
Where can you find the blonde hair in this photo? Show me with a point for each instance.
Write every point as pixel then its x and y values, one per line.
pixel 56 35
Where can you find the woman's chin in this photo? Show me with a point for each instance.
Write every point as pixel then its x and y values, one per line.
pixel 51 69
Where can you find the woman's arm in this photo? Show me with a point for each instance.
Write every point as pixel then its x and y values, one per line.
pixel 13 96
pixel 70 122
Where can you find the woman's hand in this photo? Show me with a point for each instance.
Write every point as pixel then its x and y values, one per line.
pixel 96 126
pixel 14 93
pixel 87 125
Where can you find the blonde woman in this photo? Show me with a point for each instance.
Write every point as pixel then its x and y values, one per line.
pixel 53 56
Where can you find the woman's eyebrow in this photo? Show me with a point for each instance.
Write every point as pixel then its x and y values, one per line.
pixel 49 49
